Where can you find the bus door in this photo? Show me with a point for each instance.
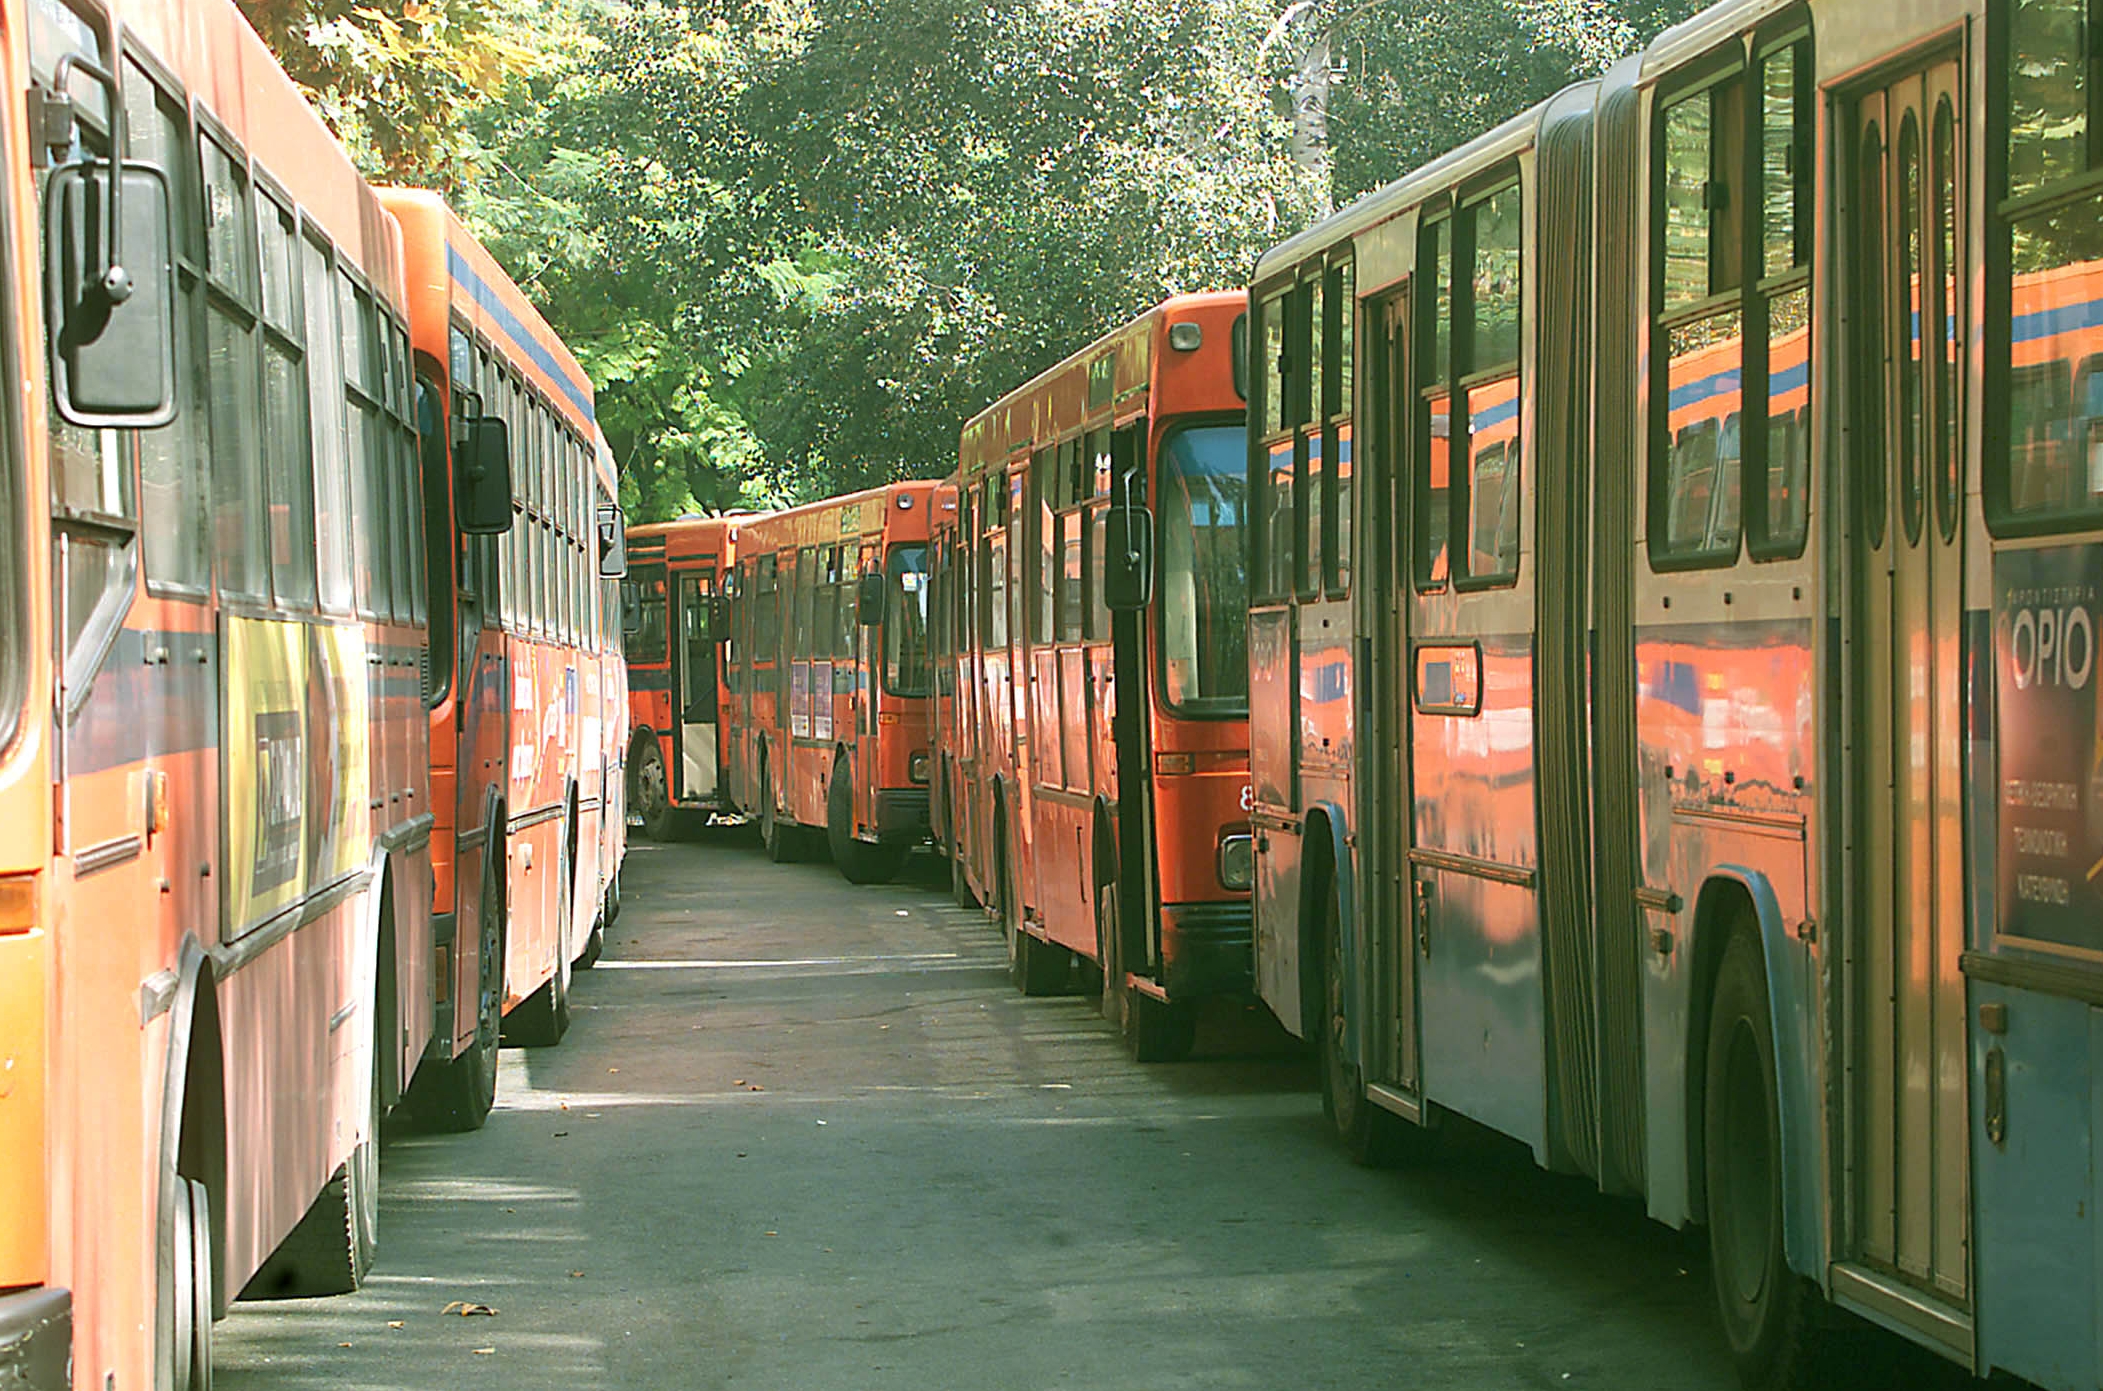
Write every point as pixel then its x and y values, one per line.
pixel 1390 1052
pixel 694 687
pixel 1908 1128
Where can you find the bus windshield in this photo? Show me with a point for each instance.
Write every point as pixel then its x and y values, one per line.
pixel 906 667
pixel 1204 603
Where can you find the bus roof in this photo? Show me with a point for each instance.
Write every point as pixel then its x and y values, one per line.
pixel 862 514
pixel 1502 142
pixel 1058 398
pixel 478 288
pixel 236 82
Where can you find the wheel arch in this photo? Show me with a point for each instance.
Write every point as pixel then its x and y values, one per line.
pixel 1325 862
pixel 193 1123
pixel 1730 896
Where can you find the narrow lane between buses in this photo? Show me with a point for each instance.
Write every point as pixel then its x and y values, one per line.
pixel 807 1135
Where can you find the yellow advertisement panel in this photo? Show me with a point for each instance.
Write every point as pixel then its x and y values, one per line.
pixel 339 762
pixel 264 691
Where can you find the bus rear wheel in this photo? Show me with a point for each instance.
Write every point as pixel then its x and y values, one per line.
pixel 458 1096
pixel 653 790
pixel 332 1248
pixel 1773 1319
pixel 859 861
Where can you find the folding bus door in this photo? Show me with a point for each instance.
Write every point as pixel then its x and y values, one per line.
pixel 1908 1126
pixel 694 688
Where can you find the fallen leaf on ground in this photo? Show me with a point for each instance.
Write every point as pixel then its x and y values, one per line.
pixel 343 1345
pixel 394 1323
pixel 613 1069
pixel 576 1275
pixel 739 1083
pixel 464 1308
pixel 484 1352
pixel 755 1087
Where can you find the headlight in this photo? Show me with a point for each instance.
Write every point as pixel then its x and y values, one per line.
pixel 916 767
pixel 1237 861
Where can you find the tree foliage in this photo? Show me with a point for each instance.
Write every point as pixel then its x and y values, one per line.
pixel 798 242
pixel 395 78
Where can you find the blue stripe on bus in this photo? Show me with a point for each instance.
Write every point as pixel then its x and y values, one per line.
pixel 1483 419
pixel 485 295
pixel 2059 319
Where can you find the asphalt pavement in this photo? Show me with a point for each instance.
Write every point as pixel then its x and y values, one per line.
pixel 805 1136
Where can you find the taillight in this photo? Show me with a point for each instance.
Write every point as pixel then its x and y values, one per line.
pixel 18 905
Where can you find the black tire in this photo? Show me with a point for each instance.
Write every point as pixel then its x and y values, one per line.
pixel 594 945
pixel 1370 1135
pixel 953 847
pixel 191 1297
pixel 1109 956
pixel 332 1248
pixel 611 913
pixel 653 790
pixel 777 839
pixel 859 861
pixel 458 1095
pixel 1774 1321
pixel 1154 1031
pixel 542 1018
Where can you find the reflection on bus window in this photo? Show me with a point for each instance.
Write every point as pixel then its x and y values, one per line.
pixel 646 598
pixel 907 670
pixel 1204 600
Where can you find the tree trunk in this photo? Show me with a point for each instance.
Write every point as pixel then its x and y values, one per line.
pixel 1310 118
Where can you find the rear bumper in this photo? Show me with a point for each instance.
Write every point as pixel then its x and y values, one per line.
pixel 901 815
pixel 1207 949
pixel 36 1339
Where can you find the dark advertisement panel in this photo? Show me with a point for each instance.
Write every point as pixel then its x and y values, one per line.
pixel 2050 871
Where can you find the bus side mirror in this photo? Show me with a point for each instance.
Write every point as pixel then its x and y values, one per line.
pixel 1128 557
pixel 631 609
pixel 109 295
pixel 613 543
pixel 869 601
pixel 483 471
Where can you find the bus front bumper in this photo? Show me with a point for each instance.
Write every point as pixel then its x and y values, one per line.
pixel 1207 949
pixel 36 1339
pixel 901 815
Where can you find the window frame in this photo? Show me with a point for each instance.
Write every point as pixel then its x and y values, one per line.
pixel 1737 67
pixel 2004 214
pixel 1454 375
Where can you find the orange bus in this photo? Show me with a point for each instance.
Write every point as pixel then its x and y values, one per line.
pixel 829 676
pixel 610 721
pixel 1102 826
pixel 216 943
pixel 514 774
pixel 677 678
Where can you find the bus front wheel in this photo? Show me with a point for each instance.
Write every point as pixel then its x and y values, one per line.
pixel 1773 1319
pixel 653 790
pixel 190 1219
pixel 859 861
pixel 1370 1135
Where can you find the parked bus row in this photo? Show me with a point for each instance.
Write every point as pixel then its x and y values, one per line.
pixel 312 702
pixel 1630 683
pixel 938 662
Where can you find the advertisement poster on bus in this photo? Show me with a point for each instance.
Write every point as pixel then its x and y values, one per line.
pixel 265 769
pixel 2050 872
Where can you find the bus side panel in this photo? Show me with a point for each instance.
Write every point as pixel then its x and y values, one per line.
pixel 1271 749
pixel 2038 1189
pixel 1277 910
pixel 1480 980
